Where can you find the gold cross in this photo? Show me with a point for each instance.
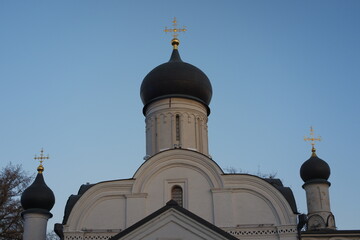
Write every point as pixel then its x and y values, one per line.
pixel 175 30
pixel 41 158
pixel 312 139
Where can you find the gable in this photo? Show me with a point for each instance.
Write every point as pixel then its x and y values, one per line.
pixel 173 222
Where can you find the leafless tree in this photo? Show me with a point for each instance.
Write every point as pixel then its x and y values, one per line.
pixel 52 236
pixel 13 181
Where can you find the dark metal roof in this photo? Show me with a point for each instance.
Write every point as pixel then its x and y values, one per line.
pixel 173 204
pixel 328 233
pixel 314 168
pixel 176 79
pixel 73 199
pixel 38 195
pixel 285 191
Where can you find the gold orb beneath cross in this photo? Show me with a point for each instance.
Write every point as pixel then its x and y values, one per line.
pixel 175 42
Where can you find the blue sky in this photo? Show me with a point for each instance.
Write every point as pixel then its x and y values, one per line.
pixel 70 74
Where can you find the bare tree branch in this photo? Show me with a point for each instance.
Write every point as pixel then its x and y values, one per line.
pixel 13 181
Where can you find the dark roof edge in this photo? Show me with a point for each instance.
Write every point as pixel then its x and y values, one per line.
pixel 176 96
pixel 72 200
pixel 172 204
pixel 317 180
pixel 325 232
pixel 285 191
pixel 37 211
pixel 59 230
pixel 278 185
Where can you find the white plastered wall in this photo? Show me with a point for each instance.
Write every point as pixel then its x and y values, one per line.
pixel 163 132
pixel 102 207
pixel 195 172
pixel 235 203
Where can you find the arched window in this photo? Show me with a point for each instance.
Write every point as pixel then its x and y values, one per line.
pixel 177 194
pixel 177 125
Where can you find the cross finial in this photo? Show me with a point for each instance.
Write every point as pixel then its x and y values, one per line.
pixel 312 139
pixel 41 158
pixel 175 32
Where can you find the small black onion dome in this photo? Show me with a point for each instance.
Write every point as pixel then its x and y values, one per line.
pixel 38 195
pixel 176 79
pixel 314 168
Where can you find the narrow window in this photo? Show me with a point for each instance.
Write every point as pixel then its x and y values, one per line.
pixel 177 125
pixel 177 195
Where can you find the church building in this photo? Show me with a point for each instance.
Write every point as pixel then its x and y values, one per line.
pixel 180 192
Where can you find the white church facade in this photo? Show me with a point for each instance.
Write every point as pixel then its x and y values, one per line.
pixel 239 204
pixel 180 192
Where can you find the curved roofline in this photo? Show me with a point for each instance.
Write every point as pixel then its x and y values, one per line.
pixel 176 78
pixel 276 183
pixel 167 150
pixel 178 157
pixel 38 195
pixel 74 198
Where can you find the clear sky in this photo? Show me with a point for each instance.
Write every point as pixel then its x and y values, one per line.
pixel 70 74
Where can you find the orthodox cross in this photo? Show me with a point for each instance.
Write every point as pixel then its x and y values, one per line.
pixel 41 158
pixel 175 30
pixel 312 139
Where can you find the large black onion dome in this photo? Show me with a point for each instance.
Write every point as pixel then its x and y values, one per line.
pixel 176 79
pixel 314 168
pixel 38 195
